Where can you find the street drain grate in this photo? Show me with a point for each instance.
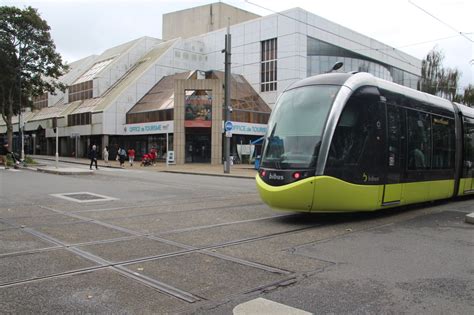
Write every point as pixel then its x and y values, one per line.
pixel 83 197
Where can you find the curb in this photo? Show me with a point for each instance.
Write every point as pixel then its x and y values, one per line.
pixel 161 171
pixel 64 172
pixel 76 162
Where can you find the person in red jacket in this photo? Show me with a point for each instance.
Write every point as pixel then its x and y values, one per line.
pixel 131 156
pixel 153 155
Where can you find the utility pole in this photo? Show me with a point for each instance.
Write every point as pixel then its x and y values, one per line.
pixel 21 123
pixel 22 133
pixel 57 143
pixel 228 134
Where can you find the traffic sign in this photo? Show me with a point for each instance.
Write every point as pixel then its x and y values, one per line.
pixel 228 126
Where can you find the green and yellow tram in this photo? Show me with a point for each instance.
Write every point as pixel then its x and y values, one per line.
pixel 352 142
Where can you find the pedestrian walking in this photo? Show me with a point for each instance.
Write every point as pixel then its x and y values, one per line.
pixel 105 154
pixel 153 155
pixel 131 156
pixel 121 155
pixel 93 156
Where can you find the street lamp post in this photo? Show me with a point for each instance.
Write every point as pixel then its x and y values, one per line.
pixel 22 133
pixel 227 62
pixel 20 116
pixel 57 142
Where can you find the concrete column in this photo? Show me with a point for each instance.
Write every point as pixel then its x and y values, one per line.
pixel 178 133
pixel 216 133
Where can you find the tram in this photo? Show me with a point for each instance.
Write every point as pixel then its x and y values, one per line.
pixel 343 142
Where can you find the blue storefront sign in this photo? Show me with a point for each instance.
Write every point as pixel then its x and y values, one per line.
pixel 228 126
pixel 242 128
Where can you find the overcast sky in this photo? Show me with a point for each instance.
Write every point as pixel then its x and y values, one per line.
pixel 84 27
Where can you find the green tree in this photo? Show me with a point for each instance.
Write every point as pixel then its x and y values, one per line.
pixel 436 79
pixel 29 63
pixel 467 98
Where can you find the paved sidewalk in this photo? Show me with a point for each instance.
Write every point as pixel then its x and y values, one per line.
pixel 238 170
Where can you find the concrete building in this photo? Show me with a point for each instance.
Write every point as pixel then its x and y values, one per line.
pixel 268 53
pixel 203 19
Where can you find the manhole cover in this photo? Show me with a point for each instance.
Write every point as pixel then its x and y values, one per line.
pixel 83 197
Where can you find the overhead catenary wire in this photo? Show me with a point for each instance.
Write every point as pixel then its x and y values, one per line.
pixel 441 21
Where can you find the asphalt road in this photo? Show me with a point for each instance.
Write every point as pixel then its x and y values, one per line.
pixel 138 242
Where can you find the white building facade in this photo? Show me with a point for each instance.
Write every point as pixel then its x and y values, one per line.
pixel 270 52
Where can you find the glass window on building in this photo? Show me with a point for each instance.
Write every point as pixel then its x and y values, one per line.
pixel 321 56
pixel 268 67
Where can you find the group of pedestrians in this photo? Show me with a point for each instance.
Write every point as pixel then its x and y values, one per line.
pixel 121 156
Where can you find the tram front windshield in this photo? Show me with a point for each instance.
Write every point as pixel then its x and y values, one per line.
pixel 296 127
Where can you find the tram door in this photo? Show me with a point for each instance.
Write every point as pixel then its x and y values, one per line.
pixel 396 137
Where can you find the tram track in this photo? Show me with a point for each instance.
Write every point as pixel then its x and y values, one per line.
pixel 88 219
pixel 123 266
pixel 190 201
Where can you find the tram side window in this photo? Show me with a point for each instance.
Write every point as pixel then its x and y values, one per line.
pixel 356 151
pixel 468 145
pixel 443 143
pixel 419 140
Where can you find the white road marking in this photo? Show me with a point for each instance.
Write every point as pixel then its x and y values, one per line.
pixel 263 306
